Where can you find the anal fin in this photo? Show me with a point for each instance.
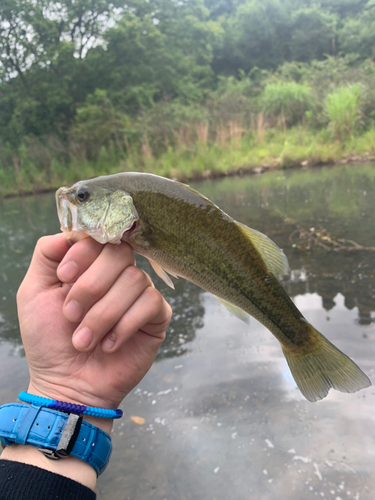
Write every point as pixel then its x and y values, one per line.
pixel 237 311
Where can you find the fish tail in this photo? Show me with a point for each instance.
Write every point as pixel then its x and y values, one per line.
pixel 315 371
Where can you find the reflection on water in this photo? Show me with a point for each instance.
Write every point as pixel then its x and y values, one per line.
pixel 22 222
pixel 224 419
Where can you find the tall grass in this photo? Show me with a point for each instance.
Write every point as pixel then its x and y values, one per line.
pixel 343 107
pixel 287 102
pixel 261 125
pixel 222 154
pixel 202 133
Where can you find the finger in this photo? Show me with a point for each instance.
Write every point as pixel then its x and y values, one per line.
pixel 105 313
pixel 150 314
pixel 78 259
pixel 95 282
pixel 48 253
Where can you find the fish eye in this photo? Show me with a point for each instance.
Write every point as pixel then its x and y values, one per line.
pixel 82 195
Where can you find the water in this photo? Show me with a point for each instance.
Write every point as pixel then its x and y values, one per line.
pixel 223 417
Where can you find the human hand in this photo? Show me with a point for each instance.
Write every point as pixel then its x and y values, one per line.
pixel 91 322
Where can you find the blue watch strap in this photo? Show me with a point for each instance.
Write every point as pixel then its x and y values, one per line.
pixel 44 428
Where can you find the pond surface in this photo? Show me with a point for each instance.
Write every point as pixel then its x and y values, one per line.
pixel 223 417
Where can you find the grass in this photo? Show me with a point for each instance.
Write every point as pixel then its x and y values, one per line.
pixel 343 110
pixel 287 100
pixel 241 150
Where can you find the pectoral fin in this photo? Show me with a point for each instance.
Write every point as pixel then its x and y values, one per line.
pixel 274 258
pixel 237 311
pixel 162 274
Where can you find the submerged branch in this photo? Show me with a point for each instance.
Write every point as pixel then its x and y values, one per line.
pixel 306 239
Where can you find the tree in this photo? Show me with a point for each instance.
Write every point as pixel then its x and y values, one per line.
pixel 313 34
pixel 42 46
pixel 163 52
pixel 256 34
pixel 358 35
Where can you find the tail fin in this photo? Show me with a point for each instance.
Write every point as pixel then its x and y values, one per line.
pixel 315 372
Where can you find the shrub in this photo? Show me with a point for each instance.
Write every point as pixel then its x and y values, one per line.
pixel 286 101
pixel 343 110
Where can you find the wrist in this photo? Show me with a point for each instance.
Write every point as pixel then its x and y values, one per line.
pixel 35 434
pixel 105 424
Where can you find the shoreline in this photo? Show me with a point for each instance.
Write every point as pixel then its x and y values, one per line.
pixel 243 170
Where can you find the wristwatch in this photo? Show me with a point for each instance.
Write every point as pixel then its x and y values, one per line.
pixel 54 433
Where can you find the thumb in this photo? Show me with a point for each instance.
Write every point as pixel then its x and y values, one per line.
pixel 48 253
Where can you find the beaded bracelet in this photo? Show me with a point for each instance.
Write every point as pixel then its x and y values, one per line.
pixel 69 407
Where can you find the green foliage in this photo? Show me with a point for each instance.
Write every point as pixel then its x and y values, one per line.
pixel 98 84
pixel 255 34
pixel 287 100
pixel 98 125
pixel 343 110
pixel 344 8
pixel 145 61
pixel 313 34
pixel 358 34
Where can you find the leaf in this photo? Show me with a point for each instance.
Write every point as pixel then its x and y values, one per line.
pixel 138 420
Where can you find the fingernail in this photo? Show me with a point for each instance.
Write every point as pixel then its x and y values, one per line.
pixel 73 312
pixel 82 338
pixel 109 341
pixel 68 272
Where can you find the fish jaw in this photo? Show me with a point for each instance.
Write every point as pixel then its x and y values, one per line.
pixel 67 213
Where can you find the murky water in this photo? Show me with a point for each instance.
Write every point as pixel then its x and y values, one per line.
pixel 223 417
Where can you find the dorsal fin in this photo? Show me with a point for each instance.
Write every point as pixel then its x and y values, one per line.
pixel 274 258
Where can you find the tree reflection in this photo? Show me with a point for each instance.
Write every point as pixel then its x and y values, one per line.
pixel 328 274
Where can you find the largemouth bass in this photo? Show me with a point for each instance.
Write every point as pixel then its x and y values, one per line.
pixel 185 234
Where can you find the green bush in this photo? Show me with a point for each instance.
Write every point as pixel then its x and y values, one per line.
pixel 343 108
pixel 287 101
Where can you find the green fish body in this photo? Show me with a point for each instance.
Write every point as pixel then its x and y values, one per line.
pixel 184 234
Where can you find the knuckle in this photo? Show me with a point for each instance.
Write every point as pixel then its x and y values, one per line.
pixel 102 317
pixel 91 288
pixel 160 335
pixel 155 298
pixel 157 305
pixel 163 326
pixel 135 276
pixel 169 314
pixel 41 243
pixel 123 252
pixel 126 250
pixel 85 246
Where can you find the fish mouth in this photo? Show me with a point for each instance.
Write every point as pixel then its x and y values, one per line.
pixel 67 213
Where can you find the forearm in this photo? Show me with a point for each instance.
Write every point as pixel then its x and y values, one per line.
pixel 70 467
pixel 19 481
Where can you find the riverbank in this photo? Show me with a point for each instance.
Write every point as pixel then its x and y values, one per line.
pixel 251 153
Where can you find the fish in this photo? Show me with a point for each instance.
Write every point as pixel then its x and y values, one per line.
pixel 184 234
